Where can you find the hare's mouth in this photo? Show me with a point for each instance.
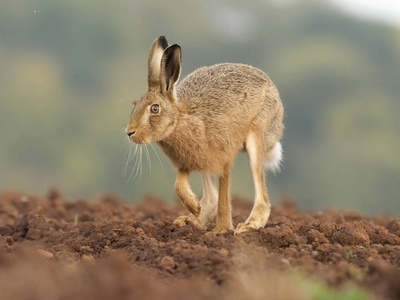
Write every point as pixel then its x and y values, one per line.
pixel 137 137
pixel 139 140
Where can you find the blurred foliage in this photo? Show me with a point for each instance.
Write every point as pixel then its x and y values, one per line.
pixel 70 70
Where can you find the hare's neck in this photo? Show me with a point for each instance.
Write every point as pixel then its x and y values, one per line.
pixel 181 144
pixel 179 135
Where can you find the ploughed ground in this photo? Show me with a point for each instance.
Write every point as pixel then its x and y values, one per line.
pixel 53 248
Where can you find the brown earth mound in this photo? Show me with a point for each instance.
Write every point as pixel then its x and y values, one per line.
pixel 51 248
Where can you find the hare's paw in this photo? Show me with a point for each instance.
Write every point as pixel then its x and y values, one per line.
pixel 184 220
pixel 222 229
pixel 244 227
pixel 180 221
pixel 192 204
pixel 195 210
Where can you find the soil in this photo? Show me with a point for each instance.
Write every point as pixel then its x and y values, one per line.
pixel 53 248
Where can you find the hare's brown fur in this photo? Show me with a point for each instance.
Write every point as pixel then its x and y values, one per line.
pixel 203 123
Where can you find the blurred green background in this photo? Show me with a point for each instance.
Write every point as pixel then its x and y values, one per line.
pixel 69 71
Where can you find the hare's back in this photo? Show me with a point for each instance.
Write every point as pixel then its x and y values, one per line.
pixel 236 89
pixel 226 77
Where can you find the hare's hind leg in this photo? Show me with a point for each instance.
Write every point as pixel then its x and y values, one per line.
pixel 208 205
pixel 209 201
pixel 262 208
pixel 224 215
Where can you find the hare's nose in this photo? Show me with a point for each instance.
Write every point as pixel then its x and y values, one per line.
pixel 129 131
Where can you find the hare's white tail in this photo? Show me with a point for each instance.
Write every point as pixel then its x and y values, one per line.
pixel 274 158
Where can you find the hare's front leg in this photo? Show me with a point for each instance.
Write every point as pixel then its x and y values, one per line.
pixel 208 205
pixel 262 208
pixel 224 215
pixel 185 194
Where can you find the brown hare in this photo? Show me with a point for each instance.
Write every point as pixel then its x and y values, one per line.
pixel 203 123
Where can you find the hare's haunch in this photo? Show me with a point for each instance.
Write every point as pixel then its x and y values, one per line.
pixel 202 123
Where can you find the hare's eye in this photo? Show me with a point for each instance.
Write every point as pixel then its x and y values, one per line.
pixel 155 109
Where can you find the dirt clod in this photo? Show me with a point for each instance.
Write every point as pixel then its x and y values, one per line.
pixel 167 263
pixel 351 233
pixel 280 236
pixel 394 227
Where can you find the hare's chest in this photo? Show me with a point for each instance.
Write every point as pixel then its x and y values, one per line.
pixel 190 157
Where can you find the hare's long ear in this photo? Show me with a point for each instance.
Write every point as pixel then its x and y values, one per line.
pixel 170 69
pixel 155 56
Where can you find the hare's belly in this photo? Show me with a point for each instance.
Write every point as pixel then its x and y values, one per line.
pixel 195 157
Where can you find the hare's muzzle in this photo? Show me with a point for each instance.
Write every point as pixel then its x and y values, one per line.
pixel 130 131
pixel 135 137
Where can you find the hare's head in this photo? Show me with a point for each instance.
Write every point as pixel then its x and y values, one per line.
pixel 155 114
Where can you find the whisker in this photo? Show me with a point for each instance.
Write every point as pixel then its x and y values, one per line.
pixel 126 160
pixel 138 162
pixel 148 157
pixel 134 155
pixel 124 143
pixel 141 162
pixel 157 156
pixel 135 166
pixel 135 152
pixel 128 157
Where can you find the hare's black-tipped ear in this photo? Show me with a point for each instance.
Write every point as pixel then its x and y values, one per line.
pixel 156 53
pixel 170 68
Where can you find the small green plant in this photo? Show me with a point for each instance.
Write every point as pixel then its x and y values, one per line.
pixel 350 255
pixel 315 290
pixel 76 219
